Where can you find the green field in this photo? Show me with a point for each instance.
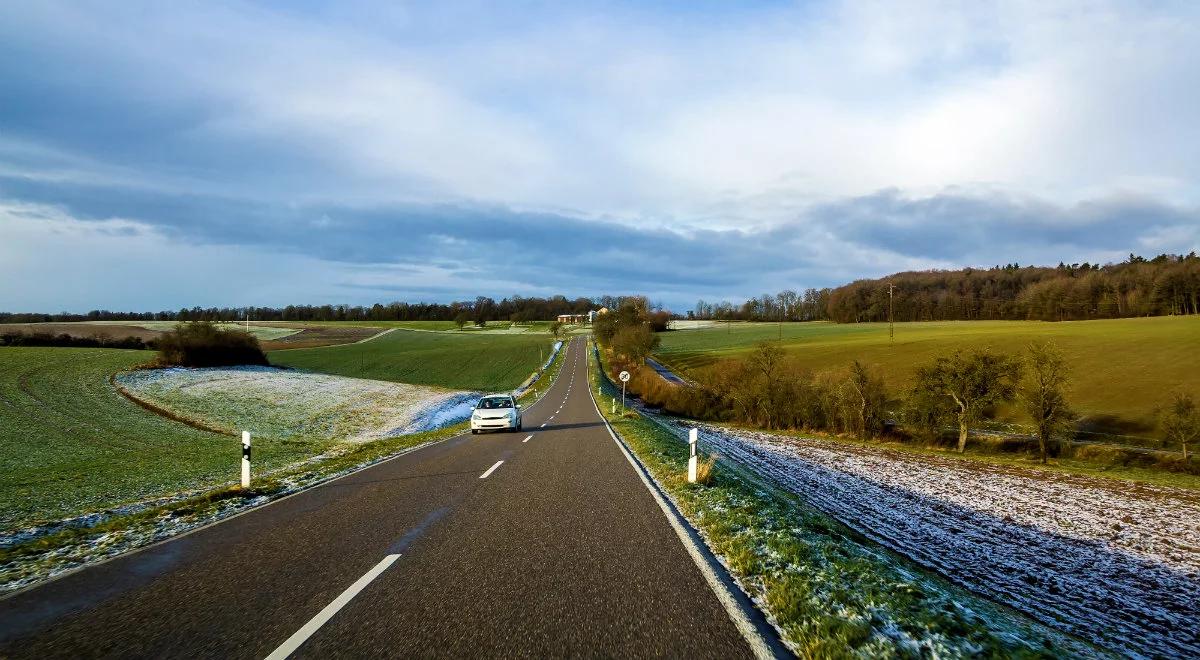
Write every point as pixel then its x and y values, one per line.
pixel 448 359
pixel 1123 368
pixel 501 327
pixel 62 425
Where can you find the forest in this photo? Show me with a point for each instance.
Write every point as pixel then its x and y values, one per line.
pixel 1165 285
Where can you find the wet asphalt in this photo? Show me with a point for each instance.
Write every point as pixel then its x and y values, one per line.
pixel 559 551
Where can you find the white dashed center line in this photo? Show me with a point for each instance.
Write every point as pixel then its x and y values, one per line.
pixel 527 438
pixel 491 470
pixel 288 647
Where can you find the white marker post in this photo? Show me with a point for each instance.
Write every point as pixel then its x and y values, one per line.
pixel 693 436
pixel 245 459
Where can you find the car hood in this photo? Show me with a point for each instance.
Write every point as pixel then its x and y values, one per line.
pixel 493 414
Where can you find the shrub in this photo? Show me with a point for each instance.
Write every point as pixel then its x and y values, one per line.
pixel 705 470
pixel 203 344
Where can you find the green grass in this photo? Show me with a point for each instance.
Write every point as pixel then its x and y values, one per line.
pixel 832 592
pixel 71 444
pixel 505 327
pixel 453 360
pixel 411 325
pixel 1124 367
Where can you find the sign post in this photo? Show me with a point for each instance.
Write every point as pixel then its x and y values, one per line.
pixel 693 436
pixel 624 379
pixel 245 459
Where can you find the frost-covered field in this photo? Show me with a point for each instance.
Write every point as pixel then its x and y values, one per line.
pixel 1108 561
pixel 280 403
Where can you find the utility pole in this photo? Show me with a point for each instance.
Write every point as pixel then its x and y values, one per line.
pixel 891 316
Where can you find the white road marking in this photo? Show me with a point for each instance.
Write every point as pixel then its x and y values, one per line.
pixel 491 470
pixel 740 617
pixel 543 425
pixel 300 636
pixel 527 438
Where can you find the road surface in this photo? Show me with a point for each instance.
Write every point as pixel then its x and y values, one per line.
pixel 542 543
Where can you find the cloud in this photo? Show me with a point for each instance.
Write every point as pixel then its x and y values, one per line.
pixel 683 151
pixel 444 251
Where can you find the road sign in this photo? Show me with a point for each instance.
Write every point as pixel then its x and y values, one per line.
pixel 624 376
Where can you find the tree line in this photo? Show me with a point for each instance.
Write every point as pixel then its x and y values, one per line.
pixel 1165 285
pixel 481 309
pixel 787 305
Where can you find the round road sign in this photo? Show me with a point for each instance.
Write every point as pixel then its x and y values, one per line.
pixel 624 376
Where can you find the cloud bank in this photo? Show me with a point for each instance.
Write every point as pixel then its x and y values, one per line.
pixel 244 153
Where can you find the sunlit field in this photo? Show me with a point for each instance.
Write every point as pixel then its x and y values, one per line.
pixel 1122 367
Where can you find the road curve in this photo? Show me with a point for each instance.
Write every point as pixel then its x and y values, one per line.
pixel 539 543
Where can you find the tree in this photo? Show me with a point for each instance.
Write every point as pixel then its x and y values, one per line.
pixel 974 382
pixel 635 342
pixel 868 395
pixel 1044 393
pixel 766 362
pixel 461 320
pixel 557 329
pixel 1181 422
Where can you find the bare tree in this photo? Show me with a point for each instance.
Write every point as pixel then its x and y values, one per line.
pixel 1181 422
pixel 869 396
pixel 767 363
pixel 635 342
pixel 974 382
pixel 557 329
pixel 1044 393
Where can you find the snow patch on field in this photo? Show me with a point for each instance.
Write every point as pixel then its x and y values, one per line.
pixel 1113 562
pixel 280 403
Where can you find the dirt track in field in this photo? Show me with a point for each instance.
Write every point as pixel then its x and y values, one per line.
pixel 1113 562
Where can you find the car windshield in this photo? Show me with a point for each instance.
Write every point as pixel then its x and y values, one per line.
pixel 494 402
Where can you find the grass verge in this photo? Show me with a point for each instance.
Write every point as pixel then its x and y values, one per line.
pixel 830 592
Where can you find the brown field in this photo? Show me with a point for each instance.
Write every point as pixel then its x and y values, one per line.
pixel 309 337
pixel 324 335
pixel 82 330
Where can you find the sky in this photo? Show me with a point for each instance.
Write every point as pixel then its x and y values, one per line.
pixel 160 155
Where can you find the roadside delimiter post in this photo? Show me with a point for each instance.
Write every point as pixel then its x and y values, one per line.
pixel 245 459
pixel 693 436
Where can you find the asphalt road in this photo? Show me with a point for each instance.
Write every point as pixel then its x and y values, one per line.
pixel 559 550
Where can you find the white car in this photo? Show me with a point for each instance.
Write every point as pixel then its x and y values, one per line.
pixel 496 412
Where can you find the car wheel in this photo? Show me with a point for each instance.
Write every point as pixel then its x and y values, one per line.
pixel 474 431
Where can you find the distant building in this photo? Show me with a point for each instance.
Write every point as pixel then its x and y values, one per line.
pixel 573 318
